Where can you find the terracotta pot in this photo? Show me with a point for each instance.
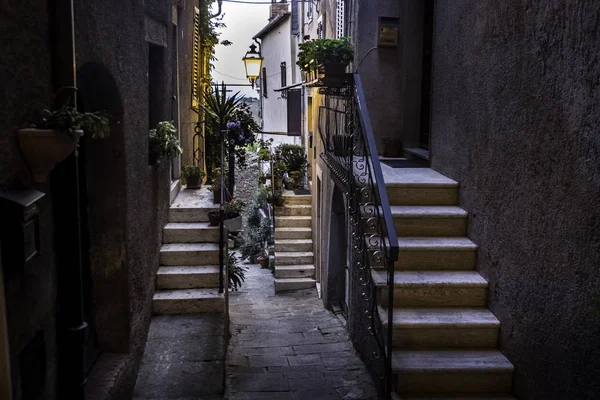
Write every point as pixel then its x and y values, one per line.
pixel 193 182
pixel 263 261
pixel 44 148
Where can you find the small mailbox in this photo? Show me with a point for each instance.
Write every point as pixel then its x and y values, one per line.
pixel 19 230
pixel 388 34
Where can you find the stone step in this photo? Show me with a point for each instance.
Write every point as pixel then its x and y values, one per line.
pixel 188 277
pixel 434 288
pixel 436 253
pixel 294 271
pixel 186 254
pixel 293 245
pixel 297 200
pixel 189 214
pixel 293 233
pixel 191 232
pixel 420 187
pixel 396 396
pixel 452 371
pixel 433 328
pixel 293 258
pixel 292 222
pixel 188 301
pixel 433 221
pixel 294 210
pixel 288 284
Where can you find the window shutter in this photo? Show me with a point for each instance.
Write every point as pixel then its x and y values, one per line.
pixel 196 60
pixel 264 82
pixel 340 18
pixel 295 17
pixel 294 112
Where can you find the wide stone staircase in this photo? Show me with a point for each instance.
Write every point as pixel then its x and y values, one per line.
pixel 187 281
pixel 444 337
pixel 294 259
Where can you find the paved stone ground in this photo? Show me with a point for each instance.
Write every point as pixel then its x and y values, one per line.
pixel 183 359
pixel 288 347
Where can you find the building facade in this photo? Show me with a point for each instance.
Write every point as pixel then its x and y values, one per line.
pixel 135 62
pixel 501 98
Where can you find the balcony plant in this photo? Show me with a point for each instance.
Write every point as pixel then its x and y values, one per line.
pixel 193 176
pixel 163 143
pixel 55 136
pixel 327 57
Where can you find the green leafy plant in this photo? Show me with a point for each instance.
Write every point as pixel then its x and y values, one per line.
pixel 69 120
pixel 236 274
pixel 293 156
pixel 279 168
pixel 219 109
pixel 163 142
pixel 233 208
pixel 323 51
pixel 192 171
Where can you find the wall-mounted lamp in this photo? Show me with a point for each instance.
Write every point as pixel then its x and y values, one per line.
pixel 253 63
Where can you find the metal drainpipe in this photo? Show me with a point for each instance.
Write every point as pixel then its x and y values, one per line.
pixel 72 328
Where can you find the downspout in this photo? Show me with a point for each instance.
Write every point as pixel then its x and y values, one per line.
pixel 64 186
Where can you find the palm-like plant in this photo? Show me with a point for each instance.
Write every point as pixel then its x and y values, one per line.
pixel 218 108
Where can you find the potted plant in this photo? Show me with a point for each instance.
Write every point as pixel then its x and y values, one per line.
pixel 262 179
pixel 236 274
pixel 278 198
pixel 290 183
pixel 233 218
pixel 214 217
pixel 263 154
pixel 328 58
pixel 193 176
pixel 279 169
pixel 215 187
pixel 55 136
pixel 163 143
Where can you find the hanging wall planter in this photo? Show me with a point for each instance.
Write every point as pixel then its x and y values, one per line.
pixel 233 224
pixel 44 148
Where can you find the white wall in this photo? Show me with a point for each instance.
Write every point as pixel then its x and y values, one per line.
pixel 276 48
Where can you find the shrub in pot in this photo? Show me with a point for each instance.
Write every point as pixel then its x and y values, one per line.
pixel 193 176
pixel 233 218
pixel 163 143
pixel 55 136
pixel 326 59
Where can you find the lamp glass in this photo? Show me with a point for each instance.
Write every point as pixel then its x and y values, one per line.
pixel 253 66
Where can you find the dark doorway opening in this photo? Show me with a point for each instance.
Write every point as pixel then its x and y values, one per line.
pixel 427 63
pixel 156 74
pixel 337 275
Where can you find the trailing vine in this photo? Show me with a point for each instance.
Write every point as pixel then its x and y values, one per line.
pixel 209 38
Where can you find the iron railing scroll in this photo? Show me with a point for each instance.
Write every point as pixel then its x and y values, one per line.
pixel 350 152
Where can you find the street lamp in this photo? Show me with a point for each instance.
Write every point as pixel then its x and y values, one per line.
pixel 253 63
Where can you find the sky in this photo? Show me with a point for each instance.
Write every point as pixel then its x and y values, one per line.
pixel 243 22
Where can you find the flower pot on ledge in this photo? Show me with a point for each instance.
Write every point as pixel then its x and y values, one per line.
pixel 44 148
pixel 233 224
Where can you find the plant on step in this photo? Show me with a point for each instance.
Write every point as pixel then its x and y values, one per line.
pixel 278 198
pixel 251 247
pixel 233 208
pixel 235 272
pixel 192 175
pixel 293 156
pixel 253 217
pixel 163 143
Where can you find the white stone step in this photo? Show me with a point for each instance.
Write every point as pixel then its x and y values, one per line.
pixel 293 258
pixel 434 288
pixel 188 277
pixel 288 284
pixel 294 271
pixel 297 200
pixel 191 232
pixel 294 210
pixel 293 245
pixel 292 222
pixel 436 253
pixel 188 301
pixel 293 233
pixel 419 186
pixel 452 371
pixel 176 254
pixel 435 221
pixel 431 328
pixel 189 214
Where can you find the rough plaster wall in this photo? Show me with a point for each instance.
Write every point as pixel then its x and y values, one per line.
pixel 25 67
pixel 515 119
pixel 146 187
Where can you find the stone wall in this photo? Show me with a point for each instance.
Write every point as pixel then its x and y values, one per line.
pixel 515 119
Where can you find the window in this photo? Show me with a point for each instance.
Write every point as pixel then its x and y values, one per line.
pixel 264 82
pixel 196 60
pixel 340 19
pixel 283 74
pixel 309 13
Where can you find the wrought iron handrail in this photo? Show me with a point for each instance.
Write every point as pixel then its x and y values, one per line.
pixel 351 154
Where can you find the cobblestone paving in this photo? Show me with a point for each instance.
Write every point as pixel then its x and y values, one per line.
pixel 288 347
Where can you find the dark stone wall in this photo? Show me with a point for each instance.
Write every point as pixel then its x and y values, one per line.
pixel 515 119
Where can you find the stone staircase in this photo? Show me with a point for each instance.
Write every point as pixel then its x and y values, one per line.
pixel 294 259
pixel 444 337
pixel 187 280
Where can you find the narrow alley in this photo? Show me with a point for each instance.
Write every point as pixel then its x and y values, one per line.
pixel 287 346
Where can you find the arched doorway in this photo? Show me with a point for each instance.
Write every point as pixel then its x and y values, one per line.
pixel 337 274
pixel 102 194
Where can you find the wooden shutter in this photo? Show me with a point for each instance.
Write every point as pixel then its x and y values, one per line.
pixel 295 17
pixel 294 112
pixel 196 60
